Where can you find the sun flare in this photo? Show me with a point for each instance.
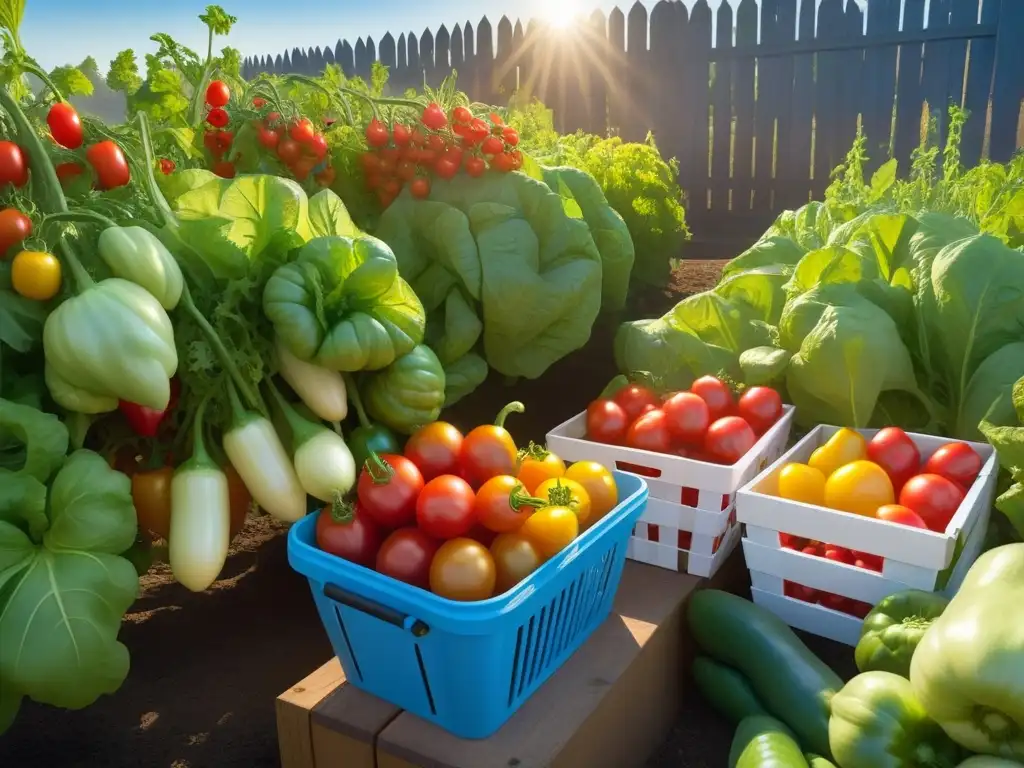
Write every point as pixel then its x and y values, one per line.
pixel 561 15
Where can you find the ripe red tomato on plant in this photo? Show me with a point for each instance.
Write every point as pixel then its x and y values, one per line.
pixel 326 177
pixel 166 166
pixel 15 226
pixel 475 166
pixel 218 117
pixel 318 146
pixel 955 461
pixel 211 140
pixel 434 449
pixel 635 399
pixel 492 145
pixel 479 130
pixel 502 504
pixel 444 508
pixel 445 168
pixel 376 133
pixel 761 407
pixel 406 555
pixel 223 140
pixel 934 498
pixel 303 167
pixel 289 151
pixel 370 162
pixel 259 102
pixel 65 125
pixel 462 115
pixel 511 136
pixel 463 570
pixel 893 450
pixel 607 422
pixel 218 94
pixel 401 135
pixel 356 540
pixel 68 172
pixel 716 394
pixel 503 163
pixel 406 170
pixel 688 417
pixel 650 432
pixel 388 488
pixel 109 164
pixel 13 169
pixel 434 117
pixel 896 513
pixel 728 439
pixel 224 168
pixel 302 130
pixel 420 188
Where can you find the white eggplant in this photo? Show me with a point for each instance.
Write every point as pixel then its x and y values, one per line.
pixel 322 390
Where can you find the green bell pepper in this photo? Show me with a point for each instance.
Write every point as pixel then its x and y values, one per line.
pixel 877 722
pixel 408 393
pixel 111 342
pixel 135 254
pixel 892 630
pixel 368 437
pixel 968 671
pixel 341 304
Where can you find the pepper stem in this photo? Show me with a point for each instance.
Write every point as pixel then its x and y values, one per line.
pixel 519 499
pixel 378 469
pixel 200 456
pixel 302 429
pixel 513 407
pixel 357 401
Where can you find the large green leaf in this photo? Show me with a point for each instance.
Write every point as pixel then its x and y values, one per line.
pixel 44 440
pixel 21 319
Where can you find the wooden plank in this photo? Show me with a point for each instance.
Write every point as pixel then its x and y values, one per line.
pixel 978 88
pixel 468 74
pixel 415 67
pixel 851 70
pixel 616 698
pixel 637 117
pixel 427 57
pixel 935 74
pixel 483 64
pixel 721 100
pixel 294 706
pixel 800 158
pixel 908 87
pixel 442 62
pixel 345 57
pixel 785 32
pixel 764 112
pixel 598 85
pixel 879 81
pixel 963 15
pixel 670 112
pixel 345 726
pixel 743 107
pixel 827 107
pixel 371 57
pixel 388 53
pixel 457 57
pixel 618 98
pixel 700 38
pixel 401 78
pixel 1007 82
pixel 504 74
pixel 681 83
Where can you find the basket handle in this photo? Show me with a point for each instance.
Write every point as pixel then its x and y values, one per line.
pixel 375 609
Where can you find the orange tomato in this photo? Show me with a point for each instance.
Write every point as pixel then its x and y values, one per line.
pixel 599 483
pixel 502 504
pixel 515 558
pixel 561 492
pixel 151 494
pixel 551 529
pixel 537 465
pixel 463 569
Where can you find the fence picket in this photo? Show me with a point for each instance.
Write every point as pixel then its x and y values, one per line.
pixel 483 65
pixel 597 102
pixel 764 110
pixel 698 63
pixel 852 69
pixel 415 66
pixel 978 87
pixel 721 101
pixel 618 104
pixel 827 107
pixel 518 36
pixel 879 82
pixel 785 33
pixel 908 88
pixel 666 40
pixel 801 143
pixel 743 104
pixel 504 77
pixel 935 73
pixel 1007 82
pixel 442 54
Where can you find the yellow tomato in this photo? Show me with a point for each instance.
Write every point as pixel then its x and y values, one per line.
pixel 566 493
pixel 35 275
pixel 537 465
pixel 860 487
pixel 600 486
pixel 551 529
pixel 515 558
pixel 799 482
pixel 842 448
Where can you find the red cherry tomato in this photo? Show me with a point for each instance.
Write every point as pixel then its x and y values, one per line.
pixel 445 168
pixel 267 137
pixel 650 432
pixel 401 134
pixel 511 136
pixel 13 168
pixel 635 399
pixel 420 188
pixel 934 498
pixel 955 461
pixel 388 489
pixel 503 163
pixel 503 504
pixel 15 226
pixel 489 450
pixel 289 151
pixel 68 172
pixel 728 439
pixel 716 394
pixel 318 146
pixel 376 133
pixel 833 602
pixel 761 407
pixel 492 146
pixel 257 102
pixel 444 508
pixel 224 169
pixel 463 569
pixel 302 130
pixel 461 115
pixel 107 160
pixel 356 540
pixel 839 554
pixel 406 555
pixel 868 561
pixel 65 125
pixel 893 450
pixel 166 166
pixel 434 117
pixel 800 592
pixel 896 513
pixel 218 94
pixel 789 541
pixel 688 417
pixel 475 166
pixel 607 422
pixel 434 449
pixel 218 117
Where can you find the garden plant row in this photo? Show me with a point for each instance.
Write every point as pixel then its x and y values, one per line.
pixel 191 300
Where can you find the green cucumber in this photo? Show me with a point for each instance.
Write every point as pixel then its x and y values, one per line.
pixel 817 761
pixel 725 689
pixel 792 683
pixel 764 742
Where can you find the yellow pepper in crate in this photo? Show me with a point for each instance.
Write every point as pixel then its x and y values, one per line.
pixel 860 487
pixel 799 482
pixel 840 449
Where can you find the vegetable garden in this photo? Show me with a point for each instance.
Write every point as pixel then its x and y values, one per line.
pixel 264 305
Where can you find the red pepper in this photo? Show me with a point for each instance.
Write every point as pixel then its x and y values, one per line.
pixel 146 421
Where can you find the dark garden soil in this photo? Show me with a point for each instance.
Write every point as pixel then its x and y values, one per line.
pixel 206 668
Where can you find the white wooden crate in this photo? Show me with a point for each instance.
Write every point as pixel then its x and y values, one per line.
pixel 912 558
pixel 689 524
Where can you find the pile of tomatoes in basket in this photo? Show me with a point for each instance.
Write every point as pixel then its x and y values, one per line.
pixel 465 516
pixel 707 422
pixel 440 146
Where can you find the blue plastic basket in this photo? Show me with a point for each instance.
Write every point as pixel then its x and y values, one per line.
pixel 467 666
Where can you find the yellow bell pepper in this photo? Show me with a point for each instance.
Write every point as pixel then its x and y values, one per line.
pixel 842 448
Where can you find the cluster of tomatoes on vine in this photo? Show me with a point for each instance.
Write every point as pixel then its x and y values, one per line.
pixel 439 145
pixel 297 144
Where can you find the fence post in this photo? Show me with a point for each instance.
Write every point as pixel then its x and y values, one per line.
pixel 1008 81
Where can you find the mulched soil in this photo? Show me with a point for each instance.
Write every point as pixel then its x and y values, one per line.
pixel 207 667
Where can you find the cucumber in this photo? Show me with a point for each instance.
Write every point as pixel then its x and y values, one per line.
pixel 817 761
pixel 790 681
pixel 764 742
pixel 725 689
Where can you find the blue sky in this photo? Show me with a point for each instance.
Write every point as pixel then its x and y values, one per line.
pixel 66 31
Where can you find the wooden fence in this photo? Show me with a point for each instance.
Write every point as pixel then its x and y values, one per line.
pixel 756 121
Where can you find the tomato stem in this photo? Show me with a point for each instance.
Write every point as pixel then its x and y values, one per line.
pixel 44 176
pixel 379 470
pixel 82 278
pixel 513 407
pixel 342 511
pixel 519 499
pixel 561 495
pixel 149 180
pixel 80 215
pixel 30 66
pixel 357 401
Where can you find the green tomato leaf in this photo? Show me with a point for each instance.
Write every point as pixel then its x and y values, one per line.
pixel 43 437
pixel 21 319
pixel 71 81
pixel 91 507
pixel 217 19
pixel 882 180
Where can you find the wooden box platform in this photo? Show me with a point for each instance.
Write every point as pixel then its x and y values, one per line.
pixel 611 705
